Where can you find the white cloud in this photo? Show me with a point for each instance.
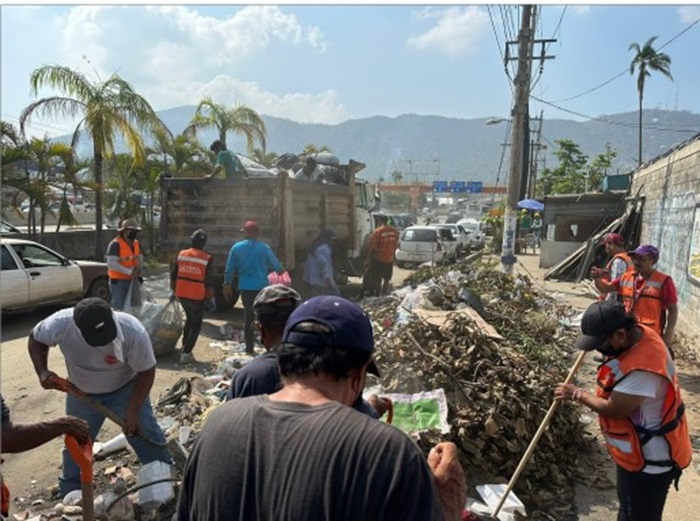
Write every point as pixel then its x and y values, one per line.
pixel 322 107
pixel 170 53
pixel 457 30
pixel 689 13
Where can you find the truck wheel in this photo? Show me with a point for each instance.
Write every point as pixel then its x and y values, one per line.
pixel 100 289
pixel 221 303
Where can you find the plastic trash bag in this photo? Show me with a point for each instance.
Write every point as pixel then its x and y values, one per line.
pixel 276 278
pixel 164 324
pixel 138 299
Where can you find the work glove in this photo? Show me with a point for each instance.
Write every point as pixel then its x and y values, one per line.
pixel 210 305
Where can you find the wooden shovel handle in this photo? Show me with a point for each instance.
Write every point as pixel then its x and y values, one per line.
pixel 538 435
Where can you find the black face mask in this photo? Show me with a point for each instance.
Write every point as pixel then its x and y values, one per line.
pixel 607 349
pixel 131 234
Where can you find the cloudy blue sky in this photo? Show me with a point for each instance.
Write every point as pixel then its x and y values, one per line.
pixel 328 64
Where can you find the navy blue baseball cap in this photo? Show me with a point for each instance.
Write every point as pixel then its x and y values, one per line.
pixel 349 324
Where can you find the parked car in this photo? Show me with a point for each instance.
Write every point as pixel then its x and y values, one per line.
pixel 449 242
pixel 34 275
pixel 419 244
pixel 477 235
pixel 462 236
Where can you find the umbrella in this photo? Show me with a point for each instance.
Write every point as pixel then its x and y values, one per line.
pixel 531 204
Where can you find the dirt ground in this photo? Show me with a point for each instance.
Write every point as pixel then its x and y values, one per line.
pixel 32 474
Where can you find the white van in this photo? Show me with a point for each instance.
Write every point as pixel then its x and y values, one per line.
pixel 419 244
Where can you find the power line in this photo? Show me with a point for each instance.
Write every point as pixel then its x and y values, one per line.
pixel 610 122
pixel 546 48
pixel 626 71
pixel 40 126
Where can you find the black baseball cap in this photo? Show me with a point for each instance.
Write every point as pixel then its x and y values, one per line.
pixel 95 320
pixel 349 324
pixel 599 321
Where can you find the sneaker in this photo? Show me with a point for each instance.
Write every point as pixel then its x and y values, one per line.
pixel 186 358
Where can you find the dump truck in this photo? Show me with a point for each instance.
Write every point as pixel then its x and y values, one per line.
pixel 291 213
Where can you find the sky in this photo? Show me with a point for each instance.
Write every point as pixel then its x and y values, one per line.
pixel 333 63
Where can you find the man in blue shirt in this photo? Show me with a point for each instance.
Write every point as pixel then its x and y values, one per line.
pixel 252 260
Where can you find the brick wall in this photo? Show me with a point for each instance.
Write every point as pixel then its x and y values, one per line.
pixel 671 186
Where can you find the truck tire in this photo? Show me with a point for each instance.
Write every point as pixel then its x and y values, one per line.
pixel 100 288
pixel 221 303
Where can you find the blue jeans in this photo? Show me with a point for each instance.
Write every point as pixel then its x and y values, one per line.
pixel 119 289
pixel 116 401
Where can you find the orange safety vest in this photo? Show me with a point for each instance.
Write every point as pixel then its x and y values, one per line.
pixel 127 258
pixel 628 262
pixel 623 439
pixel 383 243
pixel 191 273
pixel 645 303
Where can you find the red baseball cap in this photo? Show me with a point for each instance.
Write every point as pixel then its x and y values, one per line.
pixel 250 226
pixel 614 238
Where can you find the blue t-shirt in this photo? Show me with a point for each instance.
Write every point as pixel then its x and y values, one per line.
pixel 252 260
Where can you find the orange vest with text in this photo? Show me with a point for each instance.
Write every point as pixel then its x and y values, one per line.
pixel 191 274
pixel 645 303
pixel 383 242
pixel 623 439
pixel 127 258
pixel 628 262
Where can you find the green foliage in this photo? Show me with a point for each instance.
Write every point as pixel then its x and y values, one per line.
pixel 575 173
pixel 397 176
pixel 239 119
pixel 313 149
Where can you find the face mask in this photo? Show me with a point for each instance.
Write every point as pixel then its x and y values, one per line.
pixel 607 350
pixel 131 234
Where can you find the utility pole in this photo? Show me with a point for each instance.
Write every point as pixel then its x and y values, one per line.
pixel 520 138
pixel 517 148
pixel 535 147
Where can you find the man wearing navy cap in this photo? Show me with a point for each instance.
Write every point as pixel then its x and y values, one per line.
pixel 639 408
pixel 109 356
pixel 304 453
pixel 646 292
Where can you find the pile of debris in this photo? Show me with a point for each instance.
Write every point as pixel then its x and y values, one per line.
pixel 497 346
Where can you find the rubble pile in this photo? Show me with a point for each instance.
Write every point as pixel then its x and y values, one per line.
pixel 498 389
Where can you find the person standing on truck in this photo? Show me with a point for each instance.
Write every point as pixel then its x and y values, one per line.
pixel 318 270
pixel 124 261
pixel 310 171
pixel 379 266
pixel 252 260
pixel 226 162
pixel 191 283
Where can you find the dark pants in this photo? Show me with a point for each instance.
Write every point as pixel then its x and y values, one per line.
pixel 194 311
pixel 377 277
pixel 642 496
pixel 248 297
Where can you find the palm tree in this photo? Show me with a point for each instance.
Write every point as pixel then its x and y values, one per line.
pixel 266 159
pixel 239 119
pixel 647 59
pixel 107 108
pixel 179 156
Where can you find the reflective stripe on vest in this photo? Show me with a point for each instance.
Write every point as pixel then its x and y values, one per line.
pixel 127 258
pixel 191 274
pixel 624 440
pixel 646 303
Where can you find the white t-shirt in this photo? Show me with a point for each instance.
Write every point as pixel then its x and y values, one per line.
pixel 649 414
pixel 101 369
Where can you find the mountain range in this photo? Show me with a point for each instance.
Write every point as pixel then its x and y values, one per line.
pixel 427 148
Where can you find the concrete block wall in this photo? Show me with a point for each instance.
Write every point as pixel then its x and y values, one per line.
pixel 671 186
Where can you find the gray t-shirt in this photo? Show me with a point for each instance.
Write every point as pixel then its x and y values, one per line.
pixel 98 370
pixel 257 459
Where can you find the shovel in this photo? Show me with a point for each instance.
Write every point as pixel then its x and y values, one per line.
pixel 536 438
pixel 82 456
